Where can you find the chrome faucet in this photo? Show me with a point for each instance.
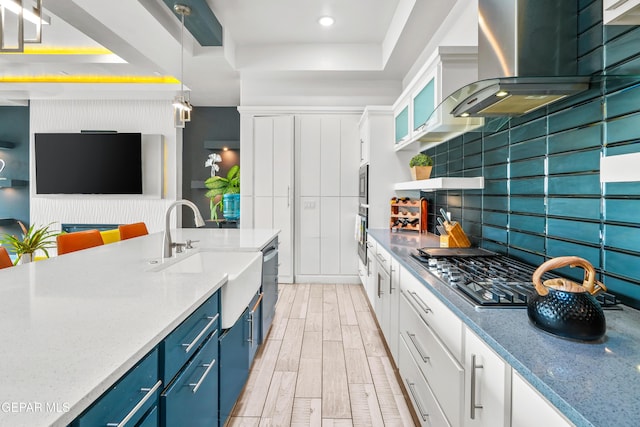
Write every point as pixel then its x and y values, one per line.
pixel 167 245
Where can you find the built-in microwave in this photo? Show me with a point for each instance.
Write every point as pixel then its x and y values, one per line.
pixel 364 185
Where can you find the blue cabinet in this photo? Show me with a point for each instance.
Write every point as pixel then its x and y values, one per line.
pixel 151 419
pixel 129 399
pixel 238 346
pixel 181 344
pixel 193 393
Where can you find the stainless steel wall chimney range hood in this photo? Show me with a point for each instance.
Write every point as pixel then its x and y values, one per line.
pixel 527 58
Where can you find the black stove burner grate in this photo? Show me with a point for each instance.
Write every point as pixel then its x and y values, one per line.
pixel 492 280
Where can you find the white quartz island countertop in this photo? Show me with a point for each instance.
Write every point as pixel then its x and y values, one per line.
pixel 72 325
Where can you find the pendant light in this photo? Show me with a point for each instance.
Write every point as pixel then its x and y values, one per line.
pixel 181 105
pixel 32 14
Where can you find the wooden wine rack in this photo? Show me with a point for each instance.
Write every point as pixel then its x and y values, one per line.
pixel 408 214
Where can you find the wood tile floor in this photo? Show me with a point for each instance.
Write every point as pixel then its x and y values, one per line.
pixel 323 364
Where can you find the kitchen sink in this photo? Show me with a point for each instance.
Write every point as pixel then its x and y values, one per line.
pixel 244 271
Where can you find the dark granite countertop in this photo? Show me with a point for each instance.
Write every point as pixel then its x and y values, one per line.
pixel 592 384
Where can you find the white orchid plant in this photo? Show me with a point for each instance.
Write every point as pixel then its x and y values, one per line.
pixel 211 163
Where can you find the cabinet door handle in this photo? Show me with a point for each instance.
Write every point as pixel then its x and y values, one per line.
pixel 412 390
pixel 617 4
pixel 391 288
pixel 197 385
pixel 380 293
pixel 147 396
pixel 190 346
pixel 369 245
pixel 414 341
pixel 419 301
pixel 381 258
pixel 288 195
pixel 269 255
pixel 474 405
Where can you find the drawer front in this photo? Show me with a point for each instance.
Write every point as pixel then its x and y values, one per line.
pixel 383 257
pixel 129 399
pixel 152 419
pixel 184 341
pixel 442 371
pixel 255 325
pixel 442 321
pixel 193 395
pixel 234 364
pixel 421 396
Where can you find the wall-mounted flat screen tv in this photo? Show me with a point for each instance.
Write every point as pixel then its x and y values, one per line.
pixel 88 163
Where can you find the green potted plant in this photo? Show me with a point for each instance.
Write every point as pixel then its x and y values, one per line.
pixel 421 165
pixel 33 239
pixel 219 186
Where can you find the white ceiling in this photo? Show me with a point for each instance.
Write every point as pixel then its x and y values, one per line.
pixel 275 41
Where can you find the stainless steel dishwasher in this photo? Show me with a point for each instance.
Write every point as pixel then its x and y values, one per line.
pixel 269 284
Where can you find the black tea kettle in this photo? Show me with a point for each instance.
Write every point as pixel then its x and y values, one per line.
pixel 565 308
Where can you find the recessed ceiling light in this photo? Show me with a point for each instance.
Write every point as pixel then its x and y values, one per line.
pixel 326 21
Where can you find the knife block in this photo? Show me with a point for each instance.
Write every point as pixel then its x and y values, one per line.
pixel 455 238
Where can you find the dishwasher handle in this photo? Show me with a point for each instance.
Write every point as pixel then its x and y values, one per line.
pixel 269 255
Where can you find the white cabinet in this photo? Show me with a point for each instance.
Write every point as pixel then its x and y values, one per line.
pixel 370 282
pixel 417 118
pixel 327 152
pixel 621 12
pixel 530 409
pixel 273 184
pixel 487 385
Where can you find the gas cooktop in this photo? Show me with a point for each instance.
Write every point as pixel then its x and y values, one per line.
pixel 489 280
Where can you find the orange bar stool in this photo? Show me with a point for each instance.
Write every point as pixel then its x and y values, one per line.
pixel 71 242
pixel 129 231
pixel 5 261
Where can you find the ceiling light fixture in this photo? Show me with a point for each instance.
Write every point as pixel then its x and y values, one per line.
pixel 33 14
pixel 181 106
pixel 326 21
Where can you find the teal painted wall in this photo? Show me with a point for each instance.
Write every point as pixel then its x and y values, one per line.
pixel 543 196
pixel 14 202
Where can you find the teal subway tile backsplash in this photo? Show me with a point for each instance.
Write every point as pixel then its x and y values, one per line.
pixel 531 167
pixel 526 241
pixel 534 224
pixel 622 210
pixel 585 184
pixel 580 115
pixel 574 208
pixel 576 139
pixel 558 248
pixel 588 232
pixel 527 186
pixel 543 197
pixel 627 238
pixel 534 205
pixel 585 161
pixel 525 150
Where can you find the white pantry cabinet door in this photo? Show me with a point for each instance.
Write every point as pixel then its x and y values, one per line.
pixel 263 208
pixel 348 245
pixel 309 247
pixel 283 157
pixel 330 170
pixel 330 235
pixel 308 142
pixel 349 154
pixel 487 385
pixel 263 155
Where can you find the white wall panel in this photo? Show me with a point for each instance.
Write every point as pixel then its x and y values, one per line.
pixel 349 156
pixel 263 156
pixel 146 117
pixel 330 153
pixel 330 235
pixel 263 212
pixel 309 147
pixel 309 250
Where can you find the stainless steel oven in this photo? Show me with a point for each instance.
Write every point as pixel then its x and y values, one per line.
pixel 364 185
pixel 363 213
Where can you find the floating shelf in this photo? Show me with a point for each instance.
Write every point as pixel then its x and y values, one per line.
pixel 217 144
pixel 453 183
pixel 7 145
pixel 10 183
